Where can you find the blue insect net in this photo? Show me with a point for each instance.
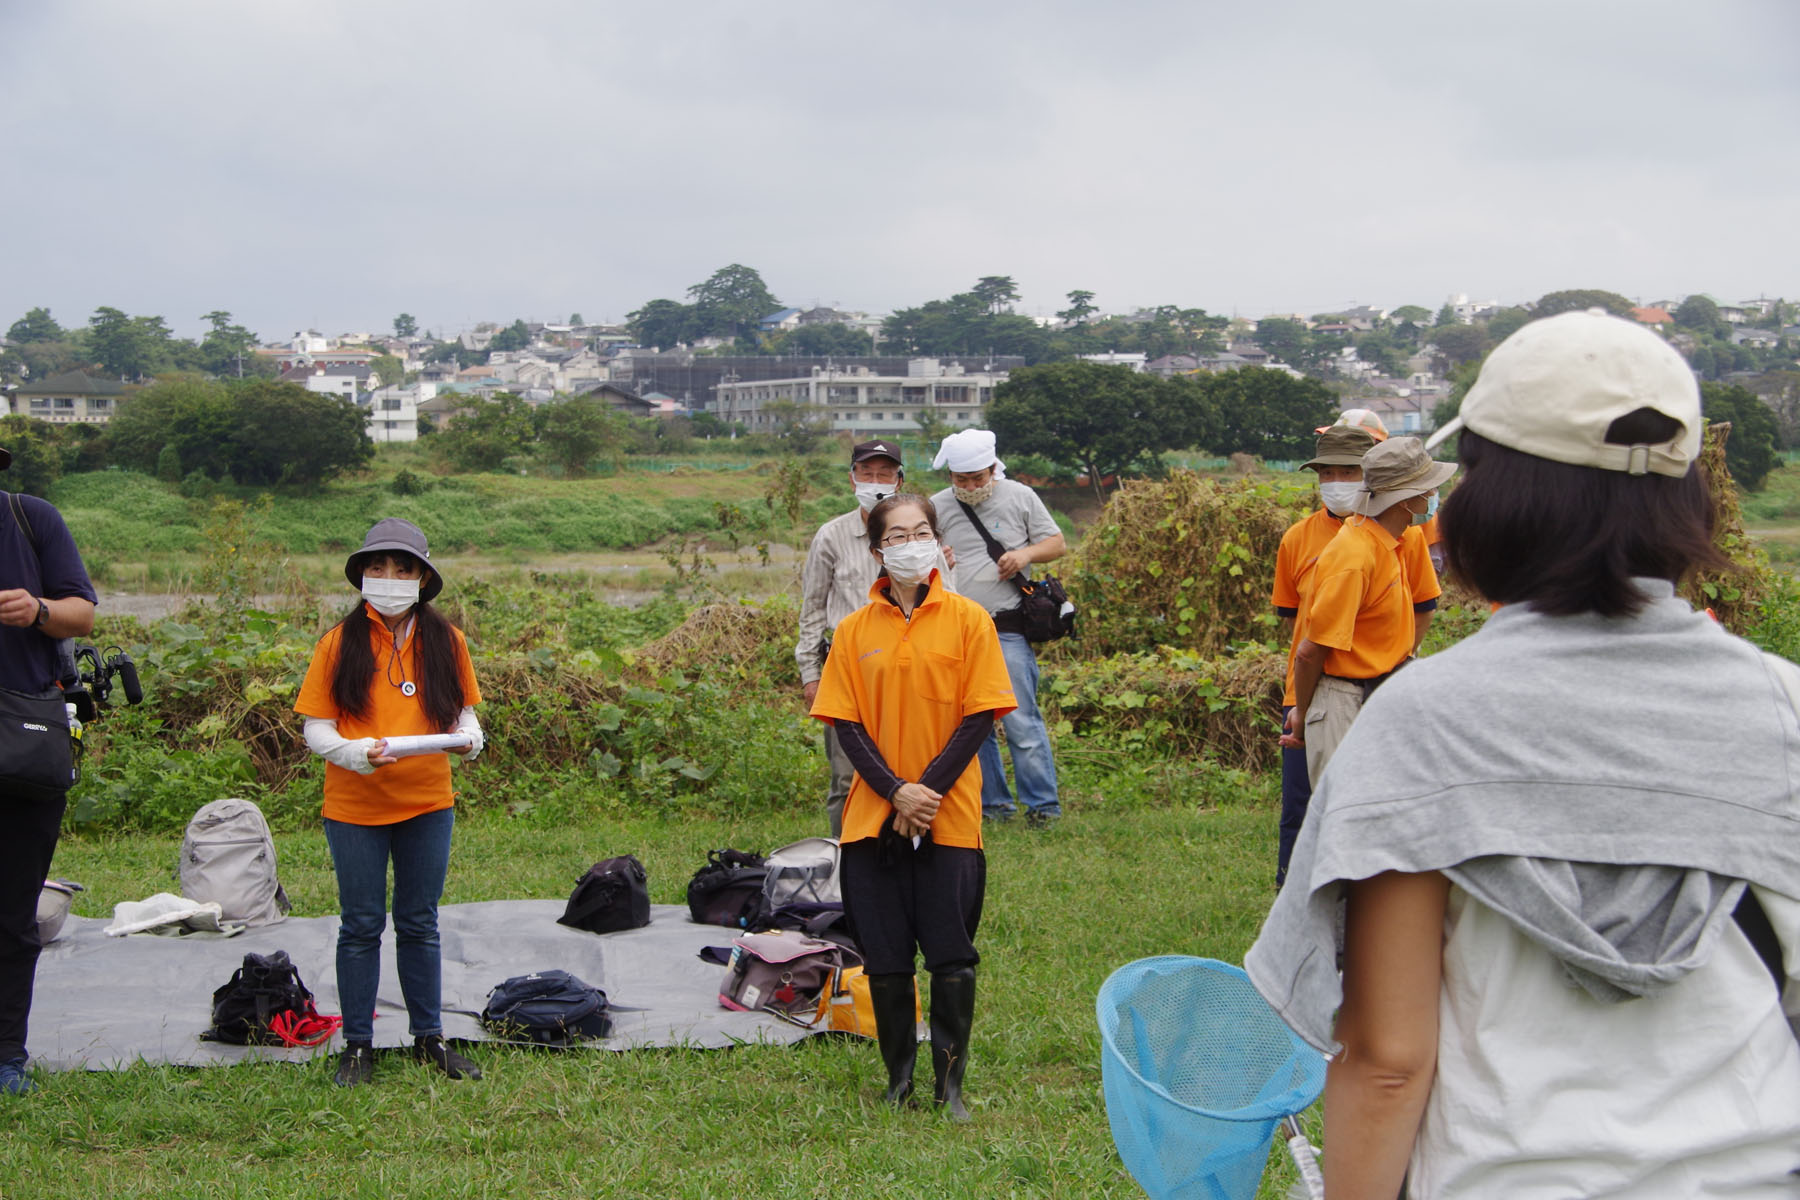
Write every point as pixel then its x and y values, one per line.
pixel 1198 1071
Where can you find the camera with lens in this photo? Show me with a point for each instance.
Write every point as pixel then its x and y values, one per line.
pixel 89 675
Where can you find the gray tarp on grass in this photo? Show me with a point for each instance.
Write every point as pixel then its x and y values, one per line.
pixel 104 1003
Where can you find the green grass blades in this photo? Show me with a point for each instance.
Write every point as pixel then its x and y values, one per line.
pixel 1127 874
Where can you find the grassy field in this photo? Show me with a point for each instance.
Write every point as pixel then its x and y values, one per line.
pixel 1117 880
pixel 1772 516
pixel 643 526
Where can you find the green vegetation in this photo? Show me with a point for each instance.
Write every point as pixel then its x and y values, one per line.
pixel 667 729
pixel 668 1122
pixel 1110 420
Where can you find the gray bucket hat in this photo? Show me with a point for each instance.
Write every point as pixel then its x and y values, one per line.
pixel 393 533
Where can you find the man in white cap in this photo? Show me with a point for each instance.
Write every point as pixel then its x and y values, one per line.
pixel 1359 619
pixel 835 583
pixel 981 497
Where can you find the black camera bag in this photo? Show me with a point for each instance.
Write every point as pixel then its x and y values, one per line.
pixel 245 1007
pixel 613 895
pixel 1044 613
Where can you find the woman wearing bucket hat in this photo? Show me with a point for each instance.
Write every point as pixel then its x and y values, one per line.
pixel 1567 845
pixel 392 668
pixel 1360 621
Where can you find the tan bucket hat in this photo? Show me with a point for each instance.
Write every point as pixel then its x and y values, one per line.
pixel 1399 469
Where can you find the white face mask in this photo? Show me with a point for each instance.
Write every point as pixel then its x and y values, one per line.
pixel 390 597
pixel 1340 498
pixel 910 562
pixel 973 496
pixel 870 494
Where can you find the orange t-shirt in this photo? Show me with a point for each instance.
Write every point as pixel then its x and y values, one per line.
pixel 1300 548
pixel 1361 607
pixel 910 684
pixel 400 790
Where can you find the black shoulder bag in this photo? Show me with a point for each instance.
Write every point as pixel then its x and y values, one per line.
pixel 1045 612
pixel 37 747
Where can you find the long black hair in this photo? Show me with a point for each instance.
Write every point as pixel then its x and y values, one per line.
pixel 440 680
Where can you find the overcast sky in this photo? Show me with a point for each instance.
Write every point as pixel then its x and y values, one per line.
pixel 330 164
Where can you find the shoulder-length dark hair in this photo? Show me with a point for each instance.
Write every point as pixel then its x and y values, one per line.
pixel 878 516
pixel 1569 539
pixel 440 677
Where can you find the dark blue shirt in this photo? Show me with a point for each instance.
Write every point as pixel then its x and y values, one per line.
pixel 53 570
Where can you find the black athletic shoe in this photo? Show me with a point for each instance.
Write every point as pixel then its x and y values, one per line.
pixel 436 1051
pixel 356 1066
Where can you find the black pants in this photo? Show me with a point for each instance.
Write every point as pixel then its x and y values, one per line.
pixel 926 902
pixel 28 832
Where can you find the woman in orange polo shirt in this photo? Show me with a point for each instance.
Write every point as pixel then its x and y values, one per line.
pixel 392 668
pixel 912 686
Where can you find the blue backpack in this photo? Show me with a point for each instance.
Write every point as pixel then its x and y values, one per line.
pixel 547 1008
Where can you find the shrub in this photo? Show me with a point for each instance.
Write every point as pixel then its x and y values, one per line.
pixel 1170 701
pixel 1185 562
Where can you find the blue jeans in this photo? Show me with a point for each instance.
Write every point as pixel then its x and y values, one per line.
pixel 1034 770
pixel 420 850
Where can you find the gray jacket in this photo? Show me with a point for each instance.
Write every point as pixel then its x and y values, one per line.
pixel 1607 785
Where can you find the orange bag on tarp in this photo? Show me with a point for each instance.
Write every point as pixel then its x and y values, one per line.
pixel 845 1006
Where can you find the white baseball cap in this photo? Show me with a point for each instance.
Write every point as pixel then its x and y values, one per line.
pixel 1554 388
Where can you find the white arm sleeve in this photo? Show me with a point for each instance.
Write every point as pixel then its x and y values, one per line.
pixel 467 723
pixel 323 739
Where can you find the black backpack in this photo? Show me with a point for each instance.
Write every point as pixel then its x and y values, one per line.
pixel 266 1004
pixel 550 1008
pixel 728 890
pixel 613 895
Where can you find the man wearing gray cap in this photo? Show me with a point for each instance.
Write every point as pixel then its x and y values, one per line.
pixel 45 596
pixel 1360 623
pixel 835 583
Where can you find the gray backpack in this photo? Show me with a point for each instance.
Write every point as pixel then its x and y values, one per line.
pixel 227 855
pixel 802 872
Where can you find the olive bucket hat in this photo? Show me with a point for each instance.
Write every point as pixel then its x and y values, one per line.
pixel 1339 446
pixel 393 533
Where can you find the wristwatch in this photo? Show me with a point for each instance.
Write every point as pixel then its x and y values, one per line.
pixel 43 616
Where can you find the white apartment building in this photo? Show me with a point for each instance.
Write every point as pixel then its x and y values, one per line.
pixel 861 402
pixel 394 412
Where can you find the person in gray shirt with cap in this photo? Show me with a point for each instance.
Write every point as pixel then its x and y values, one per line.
pixel 835 583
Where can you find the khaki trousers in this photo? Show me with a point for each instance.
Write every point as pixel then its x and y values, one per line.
pixel 1335 704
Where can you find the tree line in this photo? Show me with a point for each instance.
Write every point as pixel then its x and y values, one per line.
pixel 1111 420
pixel 128 348
pixel 197 431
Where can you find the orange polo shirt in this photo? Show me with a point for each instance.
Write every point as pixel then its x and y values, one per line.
pixel 400 790
pixel 1300 548
pixel 1361 608
pixel 910 683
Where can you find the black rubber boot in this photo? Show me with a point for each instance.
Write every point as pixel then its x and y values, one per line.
pixel 894 998
pixel 437 1052
pixel 356 1066
pixel 952 1013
